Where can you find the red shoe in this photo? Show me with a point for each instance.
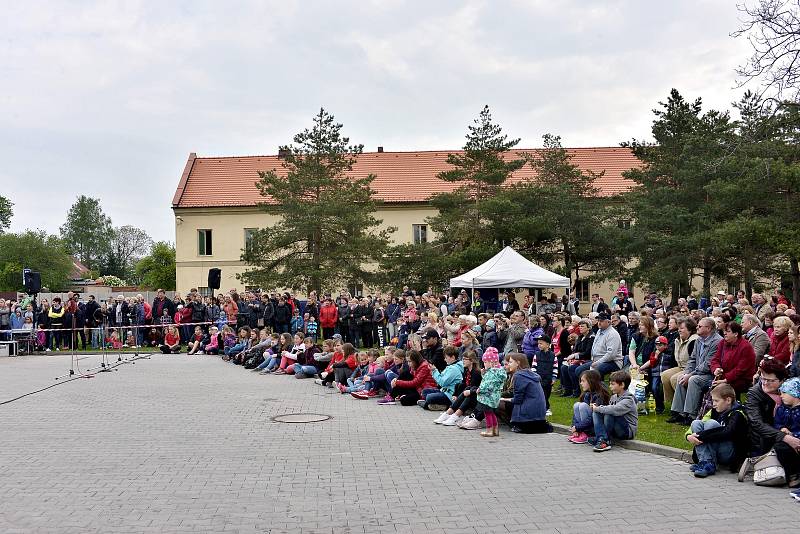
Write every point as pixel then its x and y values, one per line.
pixel 342 389
pixel 372 393
pixel 361 395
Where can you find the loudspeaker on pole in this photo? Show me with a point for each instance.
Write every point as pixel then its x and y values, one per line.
pixel 214 278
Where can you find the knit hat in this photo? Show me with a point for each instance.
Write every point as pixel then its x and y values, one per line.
pixel 490 357
pixel 791 387
pixel 490 324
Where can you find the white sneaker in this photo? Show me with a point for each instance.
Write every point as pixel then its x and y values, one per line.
pixel 548 413
pixel 199 352
pixel 318 381
pixel 323 374
pixel 471 424
pixel 442 418
pixel 47 350
pixel 452 420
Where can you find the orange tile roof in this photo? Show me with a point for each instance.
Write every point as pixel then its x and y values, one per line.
pixel 401 177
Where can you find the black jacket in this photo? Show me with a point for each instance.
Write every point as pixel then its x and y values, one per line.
pixel 283 314
pixel 583 346
pixel 475 377
pixel 760 410
pixel 344 314
pixel 435 356
pixel 158 308
pixel 734 428
pixel 269 311
pixel 91 307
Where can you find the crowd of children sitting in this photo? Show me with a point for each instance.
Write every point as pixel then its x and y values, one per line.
pixel 480 374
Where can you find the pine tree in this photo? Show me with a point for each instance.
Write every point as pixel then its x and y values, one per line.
pixel 327 233
pixel 467 227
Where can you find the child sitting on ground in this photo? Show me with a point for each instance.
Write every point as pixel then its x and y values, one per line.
pixel 721 437
pixel 464 393
pixel 488 394
pixel 271 363
pixel 447 380
pixel 593 392
pixel 172 341
pixel 153 338
pixel 196 340
pixel 228 341
pixel 617 420
pixel 376 369
pixel 113 341
pixel 211 346
pixel 327 376
pixel 306 366
pixel 355 382
pixel 241 345
pixel 289 357
pixel 545 364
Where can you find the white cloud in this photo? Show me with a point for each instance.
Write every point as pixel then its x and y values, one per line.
pixel 108 98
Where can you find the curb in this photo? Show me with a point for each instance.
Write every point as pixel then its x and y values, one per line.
pixel 641 446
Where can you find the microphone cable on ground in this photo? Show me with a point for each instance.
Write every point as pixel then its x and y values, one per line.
pixel 75 377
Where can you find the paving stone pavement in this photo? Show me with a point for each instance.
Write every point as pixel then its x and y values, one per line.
pixel 187 444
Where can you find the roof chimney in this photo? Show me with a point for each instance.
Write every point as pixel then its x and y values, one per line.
pixel 380 149
pixel 284 152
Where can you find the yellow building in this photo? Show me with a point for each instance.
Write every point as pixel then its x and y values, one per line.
pixel 216 203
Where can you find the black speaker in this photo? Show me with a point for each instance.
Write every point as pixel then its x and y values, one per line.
pixel 214 278
pixel 33 282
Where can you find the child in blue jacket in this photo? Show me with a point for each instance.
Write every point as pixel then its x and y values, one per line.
pixel 447 380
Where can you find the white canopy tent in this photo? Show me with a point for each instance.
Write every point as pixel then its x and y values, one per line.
pixel 508 268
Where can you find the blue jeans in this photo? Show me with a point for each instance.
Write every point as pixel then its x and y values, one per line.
pixel 97 338
pixel 308 370
pixel 389 376
pixel 270 363
pixel 657 390
pixel 434 396
pixel 608 427
pixel 582 417
pixel 603 368
pixel 720 452
pixel 569 380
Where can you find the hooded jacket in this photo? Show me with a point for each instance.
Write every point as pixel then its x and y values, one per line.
pixel 529 401
pixel 622 405
pixel 450 377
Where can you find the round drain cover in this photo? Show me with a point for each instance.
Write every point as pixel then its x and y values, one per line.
pixel 301 418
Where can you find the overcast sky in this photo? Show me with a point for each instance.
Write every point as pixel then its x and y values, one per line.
pixel 108 99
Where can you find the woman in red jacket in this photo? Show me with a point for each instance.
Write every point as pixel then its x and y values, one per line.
pixel 408 392
pixel 779 347
pixel 327 319
pixel 735 361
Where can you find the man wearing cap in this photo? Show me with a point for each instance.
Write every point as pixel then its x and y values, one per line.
pixel 606 349
pixel 433 350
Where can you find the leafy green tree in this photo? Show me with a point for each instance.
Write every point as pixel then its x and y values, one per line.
pixel 157 270
pixel 670 208
pixel 128 245
pixel 37 251
pixel 87 231
pixel 6 212
pixel 327 233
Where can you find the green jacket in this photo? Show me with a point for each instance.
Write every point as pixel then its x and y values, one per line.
pixel 492 383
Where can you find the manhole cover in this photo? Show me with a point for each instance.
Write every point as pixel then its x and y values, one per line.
pixel 301 418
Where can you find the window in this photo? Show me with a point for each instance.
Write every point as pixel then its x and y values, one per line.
pixel 419 233
pixel 582 290
pixel 204 243
pixel 205 291
pixel 356 290
pixel 248 238
pixel 624 224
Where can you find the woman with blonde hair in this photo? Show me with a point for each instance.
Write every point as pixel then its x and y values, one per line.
pixel 779 346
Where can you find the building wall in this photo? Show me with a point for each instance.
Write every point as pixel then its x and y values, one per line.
pixel 228 235
pixel 228 226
